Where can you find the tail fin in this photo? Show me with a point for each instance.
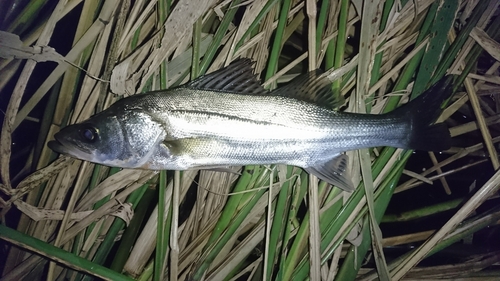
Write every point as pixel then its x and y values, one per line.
pixel 421 112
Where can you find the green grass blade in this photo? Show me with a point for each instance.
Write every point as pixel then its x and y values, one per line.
pixel 131 232
pixel 443 22
pixel 161 236
pixel 221 31
pixel 59 255
pixel 253 26
pixel 220 242
pixel 338 59
pixel 272 63
pixel 281 212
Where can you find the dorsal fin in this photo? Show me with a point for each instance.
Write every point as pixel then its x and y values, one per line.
pixel 312 87
pixel 237 77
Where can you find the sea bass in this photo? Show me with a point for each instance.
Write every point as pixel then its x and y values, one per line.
pixel 227 118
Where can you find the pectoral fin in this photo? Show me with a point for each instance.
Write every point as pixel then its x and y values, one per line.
pixel 334 172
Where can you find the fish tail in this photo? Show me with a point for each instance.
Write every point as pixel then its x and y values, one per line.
pixel 421 113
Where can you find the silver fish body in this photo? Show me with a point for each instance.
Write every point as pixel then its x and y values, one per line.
pixel 206 125
pixel 207 128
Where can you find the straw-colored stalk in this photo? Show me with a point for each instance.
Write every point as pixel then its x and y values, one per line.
pixel 252 222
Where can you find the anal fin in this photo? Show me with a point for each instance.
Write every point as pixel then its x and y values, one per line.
pixel 334 171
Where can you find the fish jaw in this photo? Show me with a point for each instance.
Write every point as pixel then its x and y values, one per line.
pixel 71 148
pixel 63 143
pixel 77 150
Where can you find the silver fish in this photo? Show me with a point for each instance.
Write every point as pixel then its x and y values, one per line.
pixel 226 118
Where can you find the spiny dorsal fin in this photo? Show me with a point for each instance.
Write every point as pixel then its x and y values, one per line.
pixel 312 87
pixel 237 77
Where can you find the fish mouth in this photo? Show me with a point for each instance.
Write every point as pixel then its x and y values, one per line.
pixel 63 146
pixel 57 146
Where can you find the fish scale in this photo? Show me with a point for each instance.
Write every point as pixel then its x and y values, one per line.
pixel 227 118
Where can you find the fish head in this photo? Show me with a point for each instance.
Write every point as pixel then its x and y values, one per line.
pixel 124 138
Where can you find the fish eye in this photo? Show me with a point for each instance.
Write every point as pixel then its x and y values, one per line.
pixel 89 133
